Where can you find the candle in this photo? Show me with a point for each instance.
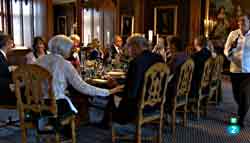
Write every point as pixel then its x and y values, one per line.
pixel 108 37
pixel 150 35
pixel 98 32
pixel 157 38
pixel 143 35
pixel 89 37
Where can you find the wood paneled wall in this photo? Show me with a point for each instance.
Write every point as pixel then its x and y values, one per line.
pixel 68 10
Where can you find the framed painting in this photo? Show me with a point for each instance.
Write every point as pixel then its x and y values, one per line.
pixel 165 20
pixel 221 17
pixel 127 25
pixel 62 25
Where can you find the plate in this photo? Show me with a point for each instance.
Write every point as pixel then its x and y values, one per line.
pixel 97 80
pixel 116 73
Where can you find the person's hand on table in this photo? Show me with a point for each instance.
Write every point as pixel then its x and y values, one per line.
pixel 117 89
pixel 111 82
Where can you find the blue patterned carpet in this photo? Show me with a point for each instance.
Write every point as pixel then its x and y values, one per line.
pixel 211 129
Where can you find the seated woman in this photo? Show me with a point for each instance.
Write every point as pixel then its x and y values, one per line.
pixel 161 49
pixel 179 56
pixel 39 50
pixel 74 57
pixel 199 57
pixel 64 73
pixel 95 52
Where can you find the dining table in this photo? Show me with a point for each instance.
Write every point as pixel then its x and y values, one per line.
pixel 101 76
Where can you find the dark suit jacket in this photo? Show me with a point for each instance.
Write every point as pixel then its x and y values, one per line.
pixel 134 82
pixel 199 59
pixel 113 51
pixel 5 76
pixel 175 66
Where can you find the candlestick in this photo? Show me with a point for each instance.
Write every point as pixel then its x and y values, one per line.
pixel 98 32
pixel 157 38
pixel 108 37
pixel 89 37
pixel 150 35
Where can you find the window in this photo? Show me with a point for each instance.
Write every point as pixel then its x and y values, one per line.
pixel 97 24
pixel 22 23
pixel 3 16
pixel 23 19
pixel 87 26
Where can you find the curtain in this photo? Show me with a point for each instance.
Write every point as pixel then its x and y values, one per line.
pixel 40 17
pixel 98 24
pixel 30 19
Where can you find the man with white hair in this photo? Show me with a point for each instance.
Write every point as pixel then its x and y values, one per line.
pixel 143 59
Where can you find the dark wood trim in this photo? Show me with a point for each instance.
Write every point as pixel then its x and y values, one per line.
pixel 9 17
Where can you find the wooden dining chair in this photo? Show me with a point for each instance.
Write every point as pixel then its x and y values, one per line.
pixel 153 95
pixel 216 80
pixel 32 105
pixel 180 100
pixel 204 91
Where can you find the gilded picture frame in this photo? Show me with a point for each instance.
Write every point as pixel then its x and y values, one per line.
pixel 165 20
pixel 62 25
pixel 127 25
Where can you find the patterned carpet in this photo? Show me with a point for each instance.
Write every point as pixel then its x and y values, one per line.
pixel 211 129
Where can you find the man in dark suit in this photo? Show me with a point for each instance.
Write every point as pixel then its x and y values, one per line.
pixel 115 49
pixel 6 43
pixel 142 60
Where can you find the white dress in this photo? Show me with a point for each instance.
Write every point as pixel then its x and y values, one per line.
pixel 63 73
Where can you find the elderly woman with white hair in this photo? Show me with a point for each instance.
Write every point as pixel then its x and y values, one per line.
pixel 63 73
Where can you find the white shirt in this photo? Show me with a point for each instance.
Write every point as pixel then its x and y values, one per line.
pixel 238 56
pixel 4 54
pixel 117 49
pixel 246 55
pixel 63 73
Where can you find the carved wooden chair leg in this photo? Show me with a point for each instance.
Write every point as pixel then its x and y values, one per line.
pixel 198 110
pixel 73 130
pixel 57 137
pixel 113 135
pixel 138 134
pixel 206 106
pixel 24 134
pixel 160 130
pixel 185 116
pixel 173 122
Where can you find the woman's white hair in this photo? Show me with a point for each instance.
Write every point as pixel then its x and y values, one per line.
pixel 61 45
